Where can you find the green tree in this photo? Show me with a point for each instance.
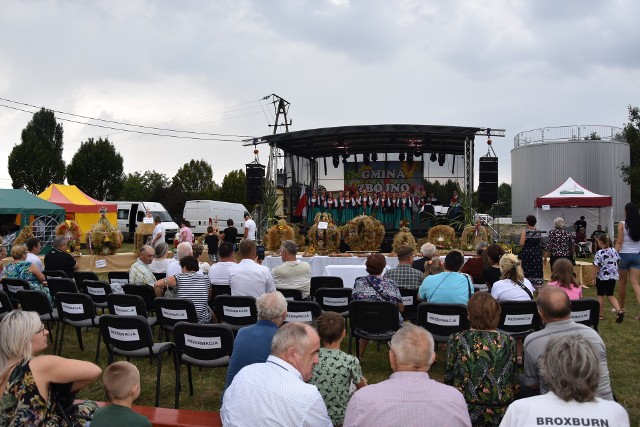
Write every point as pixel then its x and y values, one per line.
pixel 631 173
pixel 97 169
pixel 37 161
pixel 234 187
pixel 195 180
pixel 147 186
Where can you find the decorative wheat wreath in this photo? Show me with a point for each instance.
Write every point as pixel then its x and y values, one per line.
pixel 442 236
pixel 404 237
pixel 363 233
pixel 71 231
pixel 25 234
pixel 469 239
pixel 104 239
pixel 323 241
pixel 277 234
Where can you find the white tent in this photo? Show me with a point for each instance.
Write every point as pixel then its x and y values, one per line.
pixel 570 201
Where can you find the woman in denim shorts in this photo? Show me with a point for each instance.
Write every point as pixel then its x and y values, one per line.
pixel 628 246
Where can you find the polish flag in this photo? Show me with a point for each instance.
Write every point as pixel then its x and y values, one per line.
pixel 301 209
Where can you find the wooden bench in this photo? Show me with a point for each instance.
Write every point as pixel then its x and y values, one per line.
pixel 167 417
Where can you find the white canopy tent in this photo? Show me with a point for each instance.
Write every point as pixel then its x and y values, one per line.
pixel 570 201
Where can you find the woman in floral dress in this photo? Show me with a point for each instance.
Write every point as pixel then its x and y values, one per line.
pixel 20 268
pixel 560 244
pixel 531 253
pixel 480 362
pixel 374 287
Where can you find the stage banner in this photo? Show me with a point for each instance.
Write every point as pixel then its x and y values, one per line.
pixel 390 176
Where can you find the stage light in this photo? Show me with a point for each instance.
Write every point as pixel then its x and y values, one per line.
pixel 417 152
pixel 441 159
pixel 433 157
pixel 336 160
pixel 374 157
pixel 365 159
pixel 401 157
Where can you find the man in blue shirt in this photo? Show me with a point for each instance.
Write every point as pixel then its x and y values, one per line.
pixel 253 343
pixel 450 286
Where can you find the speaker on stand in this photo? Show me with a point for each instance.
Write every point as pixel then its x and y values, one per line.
pixel 488 188
pixel 255 184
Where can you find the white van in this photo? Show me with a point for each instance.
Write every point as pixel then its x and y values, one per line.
pixel 130 214
pixel 202 213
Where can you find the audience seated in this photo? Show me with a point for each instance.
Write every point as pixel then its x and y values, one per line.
pixel 474 266
pixel 219 272
pixel 492 264
pixel 480 362
pixel 189 284
pixel 248 277
pixel 428 251
pixel 20 268
pixel 292 273
pixel 276 392
pixel 184 249
pixel 59 259
pixel 140 273
pixel 34 246
pixel 160 261
pixel 513 286
pixel 450 286
pixel 409 397
pixel 203 266
pixel 404 274
pixel 554 307
pixel 571 366
pixel 563 277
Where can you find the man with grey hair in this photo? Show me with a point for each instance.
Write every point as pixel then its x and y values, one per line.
pixel 276 392
pixel 554 307
pixel 292 273
pixel 428 251
pixel 184 249
pixel 571 366
pixel 253 343
pixel 409 397
pixel 59 259
pixel 140 273
pixel 404 275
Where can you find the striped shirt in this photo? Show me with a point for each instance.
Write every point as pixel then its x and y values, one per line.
pixel 195 287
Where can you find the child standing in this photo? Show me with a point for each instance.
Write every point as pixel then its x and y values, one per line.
pixel 121 382
pixel 212 240
pixel 335 369
pixel 606 260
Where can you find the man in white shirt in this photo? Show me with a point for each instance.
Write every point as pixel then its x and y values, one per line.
pixel 292 273
pixel 184 249
pixel 159 232
pixel 249 400
pixel 249 227
pixel 33 248
pixel 219 272
pixel 248 277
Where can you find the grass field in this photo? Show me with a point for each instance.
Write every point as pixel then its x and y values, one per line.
pixel 621 340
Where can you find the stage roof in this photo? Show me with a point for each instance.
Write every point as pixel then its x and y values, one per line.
pixel 389 138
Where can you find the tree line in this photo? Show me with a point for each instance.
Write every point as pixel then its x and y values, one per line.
pixel 97 169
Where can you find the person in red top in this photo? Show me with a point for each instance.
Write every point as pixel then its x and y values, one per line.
pixel 474 267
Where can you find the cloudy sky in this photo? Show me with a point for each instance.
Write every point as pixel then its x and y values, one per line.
pixel 203 66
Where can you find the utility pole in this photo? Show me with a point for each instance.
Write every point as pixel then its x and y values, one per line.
pixel 281 107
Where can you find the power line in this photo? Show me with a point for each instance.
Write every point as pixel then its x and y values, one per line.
pixel 138 131
pixel 122 123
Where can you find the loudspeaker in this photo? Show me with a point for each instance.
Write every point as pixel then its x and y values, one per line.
pixel 255 184
pixel 488 188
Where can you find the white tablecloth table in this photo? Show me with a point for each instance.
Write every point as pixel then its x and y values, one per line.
pixel 348 273
pixel 319 263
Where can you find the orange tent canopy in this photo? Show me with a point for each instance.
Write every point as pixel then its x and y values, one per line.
pixel 73 200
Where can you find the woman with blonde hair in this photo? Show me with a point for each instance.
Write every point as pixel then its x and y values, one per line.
pixel 562 276
pixel 33 387
pixel 433 266
pixel 513 286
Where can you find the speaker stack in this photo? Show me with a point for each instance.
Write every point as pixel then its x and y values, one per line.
pixel 255 184
pixel 488 188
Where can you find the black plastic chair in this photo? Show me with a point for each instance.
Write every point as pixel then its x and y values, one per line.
pixel 302 311
pixel 119 277
pixel 12 287
pixel 442 320
pixel 518 318
pixel 334 299
pixel 61 284
pixel 291 294
pixel 5 304
pixel 129 305
pixel 372 320
pixel 54 273
pixel 131 336
pixel 318 282
pixel 98 291
pixel 147 293
pixel 170 311
pixel 159 276
pixel 81 276
pixel 586 311
pixel 235 311
pixel 39 302
pixel 207 346
pixel 77 310
pixel 410 302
